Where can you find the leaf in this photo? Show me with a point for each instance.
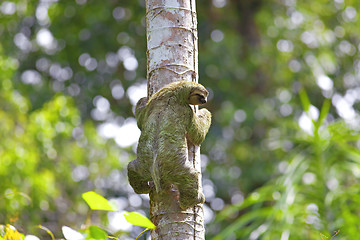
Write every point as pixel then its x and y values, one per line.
pixel 137 219
pixel 48 231
pixel 240 222
pixel 97 202
pixel 304 100
pixel 324 110
pixel 71 234
pixel 31 237
pixel 323 113
pixel 96 233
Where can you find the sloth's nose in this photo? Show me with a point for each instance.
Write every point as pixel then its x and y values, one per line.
pixel 203 100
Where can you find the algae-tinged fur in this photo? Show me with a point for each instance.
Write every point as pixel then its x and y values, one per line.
pixel 167 123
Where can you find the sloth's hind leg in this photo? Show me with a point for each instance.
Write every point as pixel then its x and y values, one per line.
pixel 138 181
pixel 188 185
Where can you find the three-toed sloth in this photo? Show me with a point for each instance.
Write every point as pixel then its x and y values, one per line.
pixel 167 123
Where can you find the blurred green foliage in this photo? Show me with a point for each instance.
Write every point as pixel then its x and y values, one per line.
pixel 281 160
pixel 88 231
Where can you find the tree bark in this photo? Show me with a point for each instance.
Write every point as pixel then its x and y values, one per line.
pixel 172 55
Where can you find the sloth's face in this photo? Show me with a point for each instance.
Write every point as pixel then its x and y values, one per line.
pixel 198 97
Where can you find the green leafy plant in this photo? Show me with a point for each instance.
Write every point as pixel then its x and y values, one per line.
pixel 313 192
pixel 89 232
pixel 97 202
pixel 137 219
pixel 323 237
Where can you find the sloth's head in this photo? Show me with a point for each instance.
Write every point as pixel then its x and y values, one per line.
pixel 184 93
pixel 198 95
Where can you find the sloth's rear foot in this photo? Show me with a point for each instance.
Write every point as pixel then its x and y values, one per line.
pixel 137 181
pixel 189 200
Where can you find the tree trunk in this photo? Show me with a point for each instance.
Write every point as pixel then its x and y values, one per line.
pixel 172 56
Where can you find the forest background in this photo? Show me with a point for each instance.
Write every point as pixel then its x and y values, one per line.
pixel 281 160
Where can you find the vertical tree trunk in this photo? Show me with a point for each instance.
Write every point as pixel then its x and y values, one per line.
pixel 172 56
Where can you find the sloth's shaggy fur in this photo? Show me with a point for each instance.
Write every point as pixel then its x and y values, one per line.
pixel 167 123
